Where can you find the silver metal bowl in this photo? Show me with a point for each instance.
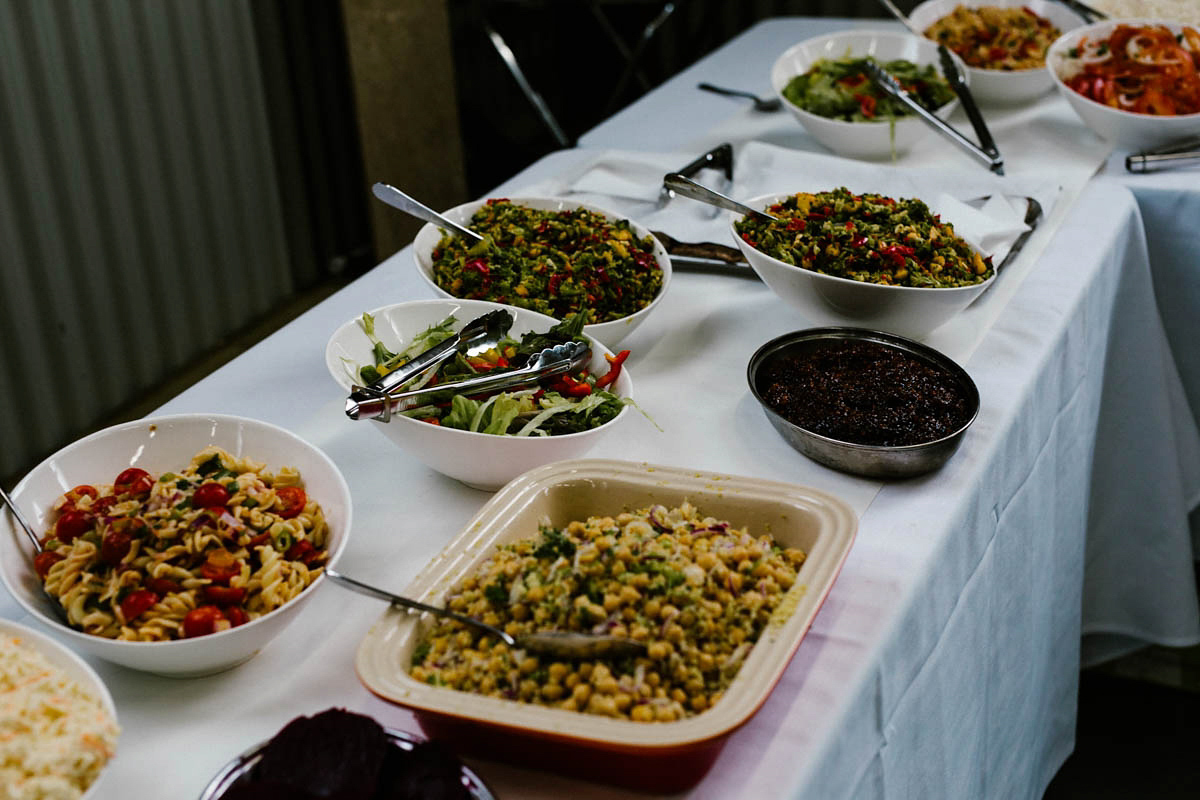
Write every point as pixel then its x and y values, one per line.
pixel 241 765
pixel 872 461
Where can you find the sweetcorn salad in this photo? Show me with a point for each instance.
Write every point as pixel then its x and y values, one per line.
pixel 695 589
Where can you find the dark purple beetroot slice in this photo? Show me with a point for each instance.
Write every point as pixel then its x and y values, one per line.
pixel 428 772
pixel 334 754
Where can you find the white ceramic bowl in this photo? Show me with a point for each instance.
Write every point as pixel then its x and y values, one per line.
pixel 610 333
pixel 159 444
pixel 997 86
pixel 482 460
pixel 75 668
pixel 1123 128
pixel 829 300
pixel 867 140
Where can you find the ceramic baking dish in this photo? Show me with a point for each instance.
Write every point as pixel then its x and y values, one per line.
pixel 659 757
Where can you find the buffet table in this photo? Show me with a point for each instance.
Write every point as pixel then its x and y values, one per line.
pixel 944 662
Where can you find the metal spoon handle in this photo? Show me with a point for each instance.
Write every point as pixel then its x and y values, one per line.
pixel 689 188
pixel 25 526
pixel 395 599
pixel 398 199
pixel 708 87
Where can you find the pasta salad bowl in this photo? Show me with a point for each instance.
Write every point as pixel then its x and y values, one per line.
pixel 1010 84
pixel 179 545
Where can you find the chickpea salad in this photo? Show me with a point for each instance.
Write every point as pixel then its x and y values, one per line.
pixel 696 590
pixel 841 89
pixel 561 404
pixel 867 237
pixel 557 262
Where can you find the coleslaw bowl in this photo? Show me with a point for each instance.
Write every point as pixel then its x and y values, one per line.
pixel 481 460
pixel 611 332
pixel 995 86
pixel 655 757
pixel 76 670
pixel 830 300
pixel 160 444
pixel 866 140
pixel 1126 129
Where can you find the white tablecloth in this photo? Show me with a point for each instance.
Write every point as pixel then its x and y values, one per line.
pixel 944 662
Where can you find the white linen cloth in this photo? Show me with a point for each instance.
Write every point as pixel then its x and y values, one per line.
pixel 942 664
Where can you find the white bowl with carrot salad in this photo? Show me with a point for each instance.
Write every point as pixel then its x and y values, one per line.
pixel 1134 82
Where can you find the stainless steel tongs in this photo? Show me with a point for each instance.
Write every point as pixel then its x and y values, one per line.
pixel 884 80
pixel 560 359
pixel 1176 155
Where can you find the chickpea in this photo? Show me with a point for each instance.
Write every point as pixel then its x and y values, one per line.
pixel 557 671
pixel 600 704
pixel 642 713
pixel 623 701
pixel 664 714
pixel 699 703
pixel 552 691
pixel 528 665
pixel 535 594
pixel 606 685
pixel 581 693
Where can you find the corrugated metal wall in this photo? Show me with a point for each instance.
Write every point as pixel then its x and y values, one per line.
pixel 139 212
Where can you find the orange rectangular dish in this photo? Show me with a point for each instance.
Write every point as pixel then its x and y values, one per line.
pixel 649 756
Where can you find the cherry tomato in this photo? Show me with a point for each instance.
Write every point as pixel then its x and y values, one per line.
pixel 133 481
pixel 302 551
pixel 72 524
pixel 236 616
pixel 72 497
pixel 210 495
pixel 163 586
pixel 290 501
pixel 44 560
pixel 115 546
pixel 102 504
pixel 262 538
pixel 220 567
pixel 202 621
pixel 136 603
pixel 224 595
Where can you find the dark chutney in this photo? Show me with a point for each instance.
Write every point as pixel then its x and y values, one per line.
pixel 864 392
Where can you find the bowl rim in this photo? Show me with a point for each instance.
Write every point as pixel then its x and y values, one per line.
pixel 93 641
pixel 624 377
pixel 922 352
pixel 1001 73
pixel 769 199
pixel 838 527
pixel 941 111
pixel 1071 37
pixel 422 255
pixel 232 770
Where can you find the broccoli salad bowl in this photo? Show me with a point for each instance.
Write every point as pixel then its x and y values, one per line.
pixel 483 441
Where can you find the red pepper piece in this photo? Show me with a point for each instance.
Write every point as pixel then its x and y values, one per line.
pixel 614 369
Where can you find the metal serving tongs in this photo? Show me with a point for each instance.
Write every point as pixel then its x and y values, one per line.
pixel 720 157
pixel 560 359
pixel 987 150
pixel 556 644
pixel 885 81
pixel 1175 155
pixel 477 336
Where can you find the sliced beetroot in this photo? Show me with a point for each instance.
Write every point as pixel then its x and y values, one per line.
pixel 334 755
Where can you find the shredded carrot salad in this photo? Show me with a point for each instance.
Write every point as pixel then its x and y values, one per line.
pixel 1144 69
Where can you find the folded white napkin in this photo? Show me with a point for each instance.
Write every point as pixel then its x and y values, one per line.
pixel 990 228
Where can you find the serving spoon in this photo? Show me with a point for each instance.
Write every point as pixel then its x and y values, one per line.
pixel 557 644
pixel 398 199
pixel 689 188
pixel 59 611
